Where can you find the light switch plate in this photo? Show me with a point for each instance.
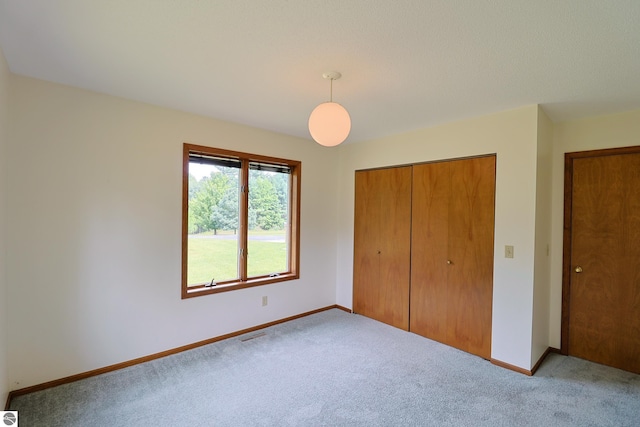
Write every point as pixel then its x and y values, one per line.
pixel 508 251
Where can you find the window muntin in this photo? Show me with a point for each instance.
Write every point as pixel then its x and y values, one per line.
pixel 240 220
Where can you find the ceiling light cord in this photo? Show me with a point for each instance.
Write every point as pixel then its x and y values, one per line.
pixel 331 91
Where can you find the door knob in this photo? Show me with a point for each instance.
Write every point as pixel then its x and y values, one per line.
pixel 449 262
pixel 578 269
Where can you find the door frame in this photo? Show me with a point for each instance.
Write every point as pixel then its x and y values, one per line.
pixel 567 236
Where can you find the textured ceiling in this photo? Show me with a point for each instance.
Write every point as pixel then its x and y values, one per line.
pixel 406 64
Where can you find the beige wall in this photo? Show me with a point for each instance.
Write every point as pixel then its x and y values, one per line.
pixel 95 213
pixel 615 130
pixel 93 245
pixel 541 277
pixel 512 135
pixel 4 124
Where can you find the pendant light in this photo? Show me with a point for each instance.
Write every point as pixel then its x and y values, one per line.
pixel 329 122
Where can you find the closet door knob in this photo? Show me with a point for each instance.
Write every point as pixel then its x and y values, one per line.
pixel 449 262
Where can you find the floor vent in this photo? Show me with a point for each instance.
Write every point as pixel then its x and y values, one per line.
pixel 250 337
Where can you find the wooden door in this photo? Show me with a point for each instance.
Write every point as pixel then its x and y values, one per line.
pixel 452 253
pixel 471 229
pixel 382 245
pixel 429 250
pixel 604 262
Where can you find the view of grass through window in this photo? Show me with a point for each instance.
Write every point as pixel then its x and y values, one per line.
pixel 214 218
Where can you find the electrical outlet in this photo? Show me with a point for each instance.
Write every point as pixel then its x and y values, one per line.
pixel 508 251
pixel 265 301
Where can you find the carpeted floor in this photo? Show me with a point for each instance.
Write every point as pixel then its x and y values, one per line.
pixel 338 369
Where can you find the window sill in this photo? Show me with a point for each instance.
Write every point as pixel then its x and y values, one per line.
pixel 196 291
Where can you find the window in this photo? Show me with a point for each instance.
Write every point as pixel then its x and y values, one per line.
pixel 240 220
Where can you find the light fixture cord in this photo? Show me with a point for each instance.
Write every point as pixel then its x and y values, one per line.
pixel 331 91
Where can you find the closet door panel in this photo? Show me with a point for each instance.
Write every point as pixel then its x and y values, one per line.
pixel 471 229
pixel 382 245
pixel 429 243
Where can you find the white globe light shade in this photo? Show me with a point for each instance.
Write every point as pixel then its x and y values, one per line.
pixel 329 124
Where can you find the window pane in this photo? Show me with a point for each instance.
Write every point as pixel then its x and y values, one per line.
pixel 268 245
pixel 213 223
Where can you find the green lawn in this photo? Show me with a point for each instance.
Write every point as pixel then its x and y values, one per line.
pixel 217 258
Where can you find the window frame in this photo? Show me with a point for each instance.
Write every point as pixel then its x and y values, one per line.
pixel 293 226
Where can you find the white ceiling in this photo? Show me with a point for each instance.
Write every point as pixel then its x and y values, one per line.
pixel 406 64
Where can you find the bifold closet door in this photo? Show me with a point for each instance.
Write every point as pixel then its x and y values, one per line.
pixel 452 253
pixel 429 250
pixel 382 245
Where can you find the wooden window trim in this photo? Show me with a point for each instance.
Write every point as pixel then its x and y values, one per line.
pixel 294 223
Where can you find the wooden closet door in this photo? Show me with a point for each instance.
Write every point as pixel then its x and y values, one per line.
pixel 382 245
pixel 471 229
pixel 452 253
pixel 429 250
pixel 604 301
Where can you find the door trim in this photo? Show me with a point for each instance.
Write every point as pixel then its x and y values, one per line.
pixel 567 237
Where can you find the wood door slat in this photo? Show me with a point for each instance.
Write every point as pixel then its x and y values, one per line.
pixel 453 220
pixel 429 250
pixel 382 245
pixel 471 226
